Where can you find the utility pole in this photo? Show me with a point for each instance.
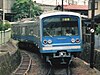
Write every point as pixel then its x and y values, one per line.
pixel 30 8
pixel 62 5
pixel 4 19
pixel 56 2
pixel 3 11
pixel 92 30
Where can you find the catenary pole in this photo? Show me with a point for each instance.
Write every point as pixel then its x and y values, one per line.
pixel 92 30
pixel 56 2
pixel 62 5
pixel 4 19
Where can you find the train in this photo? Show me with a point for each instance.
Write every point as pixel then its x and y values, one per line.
pixel 57 35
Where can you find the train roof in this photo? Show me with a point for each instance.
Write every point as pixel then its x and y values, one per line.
pixel 58 13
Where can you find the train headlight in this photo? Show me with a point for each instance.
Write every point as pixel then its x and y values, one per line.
pixel 72 40
pixel 49 41
pixel 45 41
pixel 77 40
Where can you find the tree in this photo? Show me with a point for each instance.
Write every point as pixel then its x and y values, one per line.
pixel 98 29
pixel 25 9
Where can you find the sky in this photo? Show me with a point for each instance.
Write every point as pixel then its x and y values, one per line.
pixel 53 2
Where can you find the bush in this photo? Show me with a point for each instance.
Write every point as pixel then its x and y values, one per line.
pixel 5 26
pixel 1 26
pixel 98 29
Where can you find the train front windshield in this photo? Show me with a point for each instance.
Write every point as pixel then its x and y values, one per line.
pixel 60 26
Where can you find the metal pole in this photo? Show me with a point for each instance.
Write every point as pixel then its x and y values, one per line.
pixel 1 35
pixel 30 9
pixel 56 2
pixel 4 18
pixel 62 5
pixel 92 30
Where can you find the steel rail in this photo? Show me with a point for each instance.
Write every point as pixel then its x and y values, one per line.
pixel 25 64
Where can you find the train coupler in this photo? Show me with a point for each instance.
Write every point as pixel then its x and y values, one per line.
pixel 48 60
pixel 61 54
pixel 63 61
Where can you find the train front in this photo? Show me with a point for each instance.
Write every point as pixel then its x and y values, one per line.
pixel 61 35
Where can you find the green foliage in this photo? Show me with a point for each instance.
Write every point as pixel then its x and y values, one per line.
pixel 1 25
pixel 5 26
pixel 25 9
pixel 98 29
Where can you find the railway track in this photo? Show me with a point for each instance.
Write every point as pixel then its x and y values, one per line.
pixel 48 69
pixel 59 70
pixel 25 64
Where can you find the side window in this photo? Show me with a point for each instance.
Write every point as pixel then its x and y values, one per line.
pixel 23 30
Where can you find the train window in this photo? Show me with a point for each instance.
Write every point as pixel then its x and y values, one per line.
pixel 57 25
pixel 23 30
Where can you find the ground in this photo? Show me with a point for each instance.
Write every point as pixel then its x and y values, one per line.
pixel 79 67
pixel 37 67
pixel 83 68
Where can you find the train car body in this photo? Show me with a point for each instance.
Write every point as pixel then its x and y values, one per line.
pixel 54 40
pixel 57 34
pixel 23 31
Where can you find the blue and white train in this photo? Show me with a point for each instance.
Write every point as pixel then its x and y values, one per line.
pixel 57 34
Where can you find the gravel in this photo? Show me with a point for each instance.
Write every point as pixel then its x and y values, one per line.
pixel 79 67
pixel 83 68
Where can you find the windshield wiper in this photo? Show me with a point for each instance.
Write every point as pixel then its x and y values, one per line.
pixel 48 33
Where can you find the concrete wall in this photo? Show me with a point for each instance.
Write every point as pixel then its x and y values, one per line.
pixel 97 41
pixel 97 11
pixel 8 4
pixel 85 55
pixel 1 4
pixel 8 63
pixel 47 7
pixel 97 59
pixel 5 36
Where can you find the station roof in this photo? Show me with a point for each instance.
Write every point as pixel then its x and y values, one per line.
pixel 76 7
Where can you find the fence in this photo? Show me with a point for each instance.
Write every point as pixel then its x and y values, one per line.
pixel 97 41
pixel 5 36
